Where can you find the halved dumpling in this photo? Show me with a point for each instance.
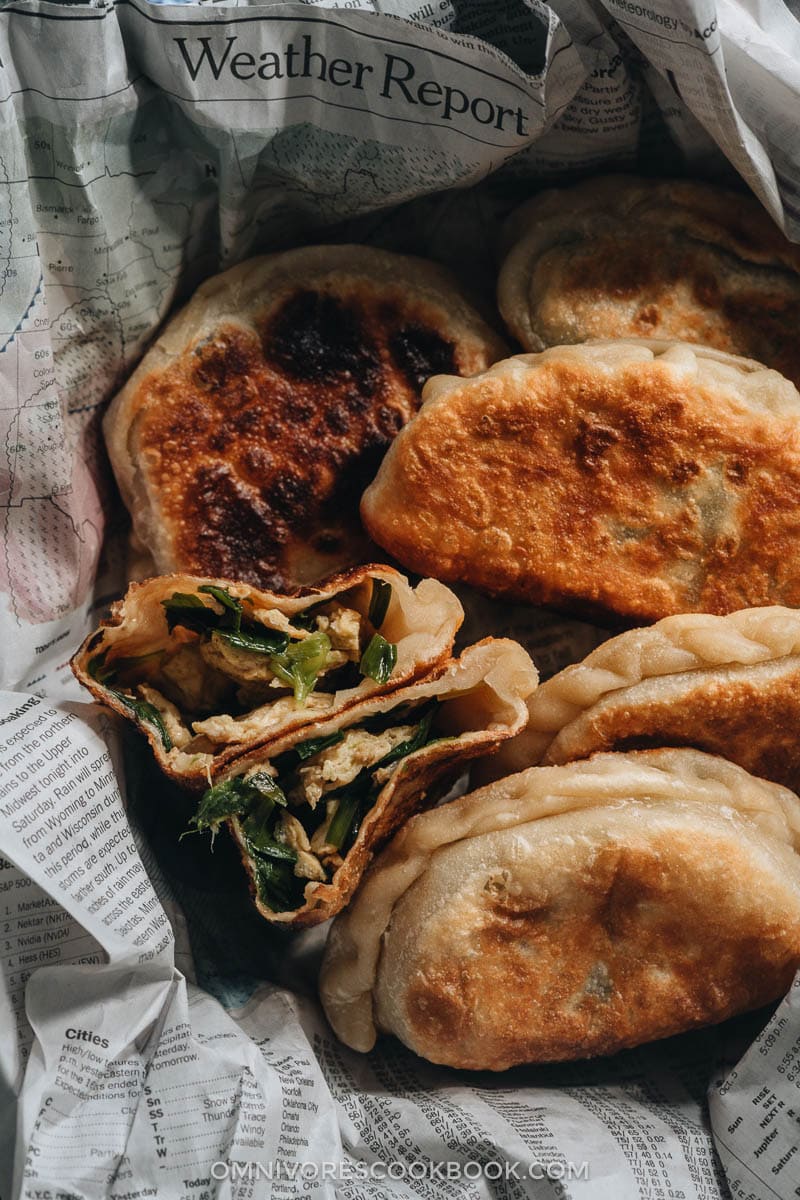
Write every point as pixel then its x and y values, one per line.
pixel 573 911
pixel 209 668
pixel 308 814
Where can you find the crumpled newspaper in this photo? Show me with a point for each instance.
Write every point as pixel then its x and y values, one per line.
pixel 143 148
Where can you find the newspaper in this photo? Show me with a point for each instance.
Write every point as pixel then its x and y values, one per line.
pixel 157 1038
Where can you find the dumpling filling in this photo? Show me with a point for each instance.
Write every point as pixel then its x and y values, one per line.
pixel 229 671
pixel 299 814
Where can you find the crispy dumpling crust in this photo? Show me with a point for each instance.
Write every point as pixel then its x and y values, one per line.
pixel 727 685
pixel 244 439
pixel 573 911
pixel 630 479
pixel 622 257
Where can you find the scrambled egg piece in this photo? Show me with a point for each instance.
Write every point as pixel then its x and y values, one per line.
pixel 320 845
pixel 340 764
pixel 343 627
pixel 291 833
pixel 274 619
pixel 195 685
pixel 224 728
pixel 240 665
pixel 182 761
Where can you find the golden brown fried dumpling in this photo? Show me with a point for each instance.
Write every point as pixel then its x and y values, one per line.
pixel 243 441
pixel 573 911
pixel 622 257
pixel 628 478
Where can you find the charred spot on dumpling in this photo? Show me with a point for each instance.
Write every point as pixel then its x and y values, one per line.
pixel 355 402
pixel 225 361
pixel 421 352
pixel 257 460
pixel 684 470
pixel 246 421
pixel 302 409
pixel 338 419
pixel 221 439
pixel 592 441
pixel 290 496
pixel 648 316
pixel 303 386
pixel 736 471
pixel 322 339
pixel 389 420
pixel 230 527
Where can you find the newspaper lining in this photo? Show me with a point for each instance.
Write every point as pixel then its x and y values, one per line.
pixel 188 139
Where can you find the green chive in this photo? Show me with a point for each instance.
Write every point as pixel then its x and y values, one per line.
pixel 148 714
pixel 307 619
pixel 264 785
pixel 263 845
pixel 218 803
pixel 418 739
pixel 97 670
pixel 269 641
pixel 232 617
pixel 379 602
pixel 301 664
pixel 312 746
pixel 342 822
pixel 379 659
pixel 277 885
pixel 188 610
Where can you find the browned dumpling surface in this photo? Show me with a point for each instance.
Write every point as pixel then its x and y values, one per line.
pixel 572 911
pixel 244 439
pixel 621 257
pixel 627 478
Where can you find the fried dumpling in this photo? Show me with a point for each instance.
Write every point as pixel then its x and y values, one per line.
pixel 244 439
pixel 728 685
pixel 573 911
pixel 628 478
pixel 620 257
pixel 209 668
pixel 308 814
